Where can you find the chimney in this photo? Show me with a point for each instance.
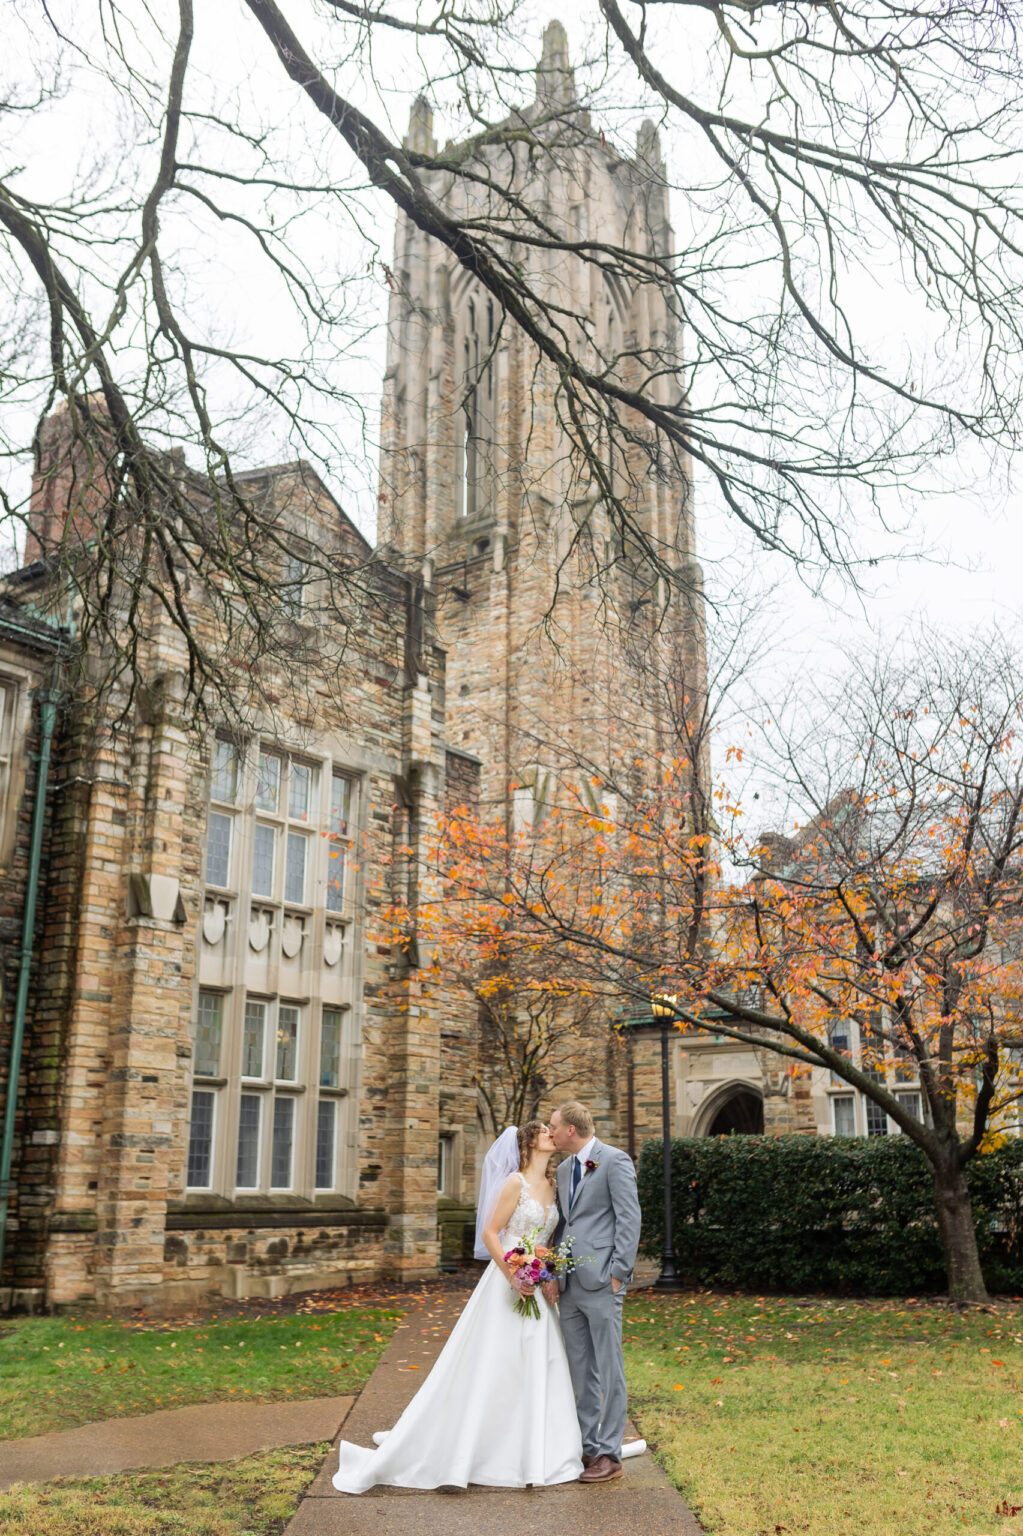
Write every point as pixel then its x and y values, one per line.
pixel 70 477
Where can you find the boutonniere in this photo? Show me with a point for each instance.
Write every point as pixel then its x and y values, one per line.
pixel 591 1166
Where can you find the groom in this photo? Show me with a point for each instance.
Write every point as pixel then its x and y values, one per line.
pixel 600 1213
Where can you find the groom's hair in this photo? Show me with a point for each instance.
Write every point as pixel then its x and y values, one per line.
pixel 574 1113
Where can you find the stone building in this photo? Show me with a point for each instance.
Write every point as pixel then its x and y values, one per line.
pixel 232 1080
pixel 557 643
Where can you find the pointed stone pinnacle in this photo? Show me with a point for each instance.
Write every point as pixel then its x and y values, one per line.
pixel 648 147
pixel 420 128
pixel 554 79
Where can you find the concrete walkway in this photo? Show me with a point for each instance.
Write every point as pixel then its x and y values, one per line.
pixel 206 1432
pixel 642 1501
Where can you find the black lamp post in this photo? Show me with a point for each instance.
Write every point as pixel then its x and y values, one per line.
pixel 663 1013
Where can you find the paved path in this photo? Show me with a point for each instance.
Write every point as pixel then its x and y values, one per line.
pixel 642 1502
pixel 206 1432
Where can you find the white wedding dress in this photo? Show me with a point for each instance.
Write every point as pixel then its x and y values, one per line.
pixel 497 1409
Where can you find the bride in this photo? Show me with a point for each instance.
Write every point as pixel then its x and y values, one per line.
pixel 497 1408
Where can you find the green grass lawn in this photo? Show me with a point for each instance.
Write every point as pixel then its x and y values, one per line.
pixel 833 1418
pixel 59 1371
pixel 253 1497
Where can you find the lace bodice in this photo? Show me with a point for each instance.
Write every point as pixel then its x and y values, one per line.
pixel 528 1215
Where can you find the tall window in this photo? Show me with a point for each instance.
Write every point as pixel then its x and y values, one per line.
pixel 200 1139
pixel 272 1048
pixel 208 1032
pixel 294 576
pixel 339 841
pixel 912 1103
pixel 479 404
pixel 287 1043
pixel 250 1119
pixel 282 842
pixel 838 1039
pixel 207 1041
pixel 843 1110
pixel 877 1120
pixel 254 1040
pixel 283 1144
pixel 332 1090
pixel 470 407
pixel 220 828
pixel 330 1048
pixel 326 1137
pixel 445 1164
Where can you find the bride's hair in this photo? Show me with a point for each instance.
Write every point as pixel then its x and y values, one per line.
pixel 529 1135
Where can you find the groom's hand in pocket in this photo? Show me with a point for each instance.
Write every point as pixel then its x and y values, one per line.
pixel 616 1284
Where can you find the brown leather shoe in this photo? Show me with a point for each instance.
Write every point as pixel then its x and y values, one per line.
pixel 603 1469
pixel 588 1460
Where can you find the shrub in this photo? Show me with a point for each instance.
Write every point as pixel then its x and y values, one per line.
pixel 815 1213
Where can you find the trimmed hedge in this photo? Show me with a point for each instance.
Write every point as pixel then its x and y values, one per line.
pixel 825 1213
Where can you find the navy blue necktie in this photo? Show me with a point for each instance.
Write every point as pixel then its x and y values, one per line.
pixel 577 1173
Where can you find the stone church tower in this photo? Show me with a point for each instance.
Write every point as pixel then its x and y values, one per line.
pixel 554 639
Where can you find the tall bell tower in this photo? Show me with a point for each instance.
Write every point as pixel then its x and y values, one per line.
pixel 550 636
pixel 478 484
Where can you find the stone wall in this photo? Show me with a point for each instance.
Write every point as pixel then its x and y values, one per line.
pixel 110 1056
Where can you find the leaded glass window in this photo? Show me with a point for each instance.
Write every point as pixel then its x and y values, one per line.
pixel 911 1103
pixel 224 785
pixel 330 1048
pixel 200 1139
pixel 249 1116
pixel 843 1107
pixel 218 849
pixel 253 1039
pixel 294 874
pixel 877 1120
pixel 336 878
pixel 209 1031
pixel 287 1043
pixel 340 804
pixel 264 851
pixel 300 789
pixel 280 833
pixel 283 1143
pixel 326 1119
pixel 268 783
pixel 838 1039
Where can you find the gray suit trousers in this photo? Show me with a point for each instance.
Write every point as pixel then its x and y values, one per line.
pixel 591 1322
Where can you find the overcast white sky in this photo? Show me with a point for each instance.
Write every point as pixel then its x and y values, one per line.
pixel 973 534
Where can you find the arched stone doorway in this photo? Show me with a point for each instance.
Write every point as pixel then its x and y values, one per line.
pixel 739 1111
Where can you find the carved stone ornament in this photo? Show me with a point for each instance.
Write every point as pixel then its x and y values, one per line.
pixel 292 935
pixel 333 945
pixel 214 921
pixel 259 931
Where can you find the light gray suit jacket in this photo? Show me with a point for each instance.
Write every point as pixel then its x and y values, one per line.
pixel 604 1220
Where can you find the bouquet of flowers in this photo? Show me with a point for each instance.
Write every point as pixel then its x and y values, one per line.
pixel 533 1264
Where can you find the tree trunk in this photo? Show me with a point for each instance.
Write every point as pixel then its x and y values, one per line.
pixel 958 1234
